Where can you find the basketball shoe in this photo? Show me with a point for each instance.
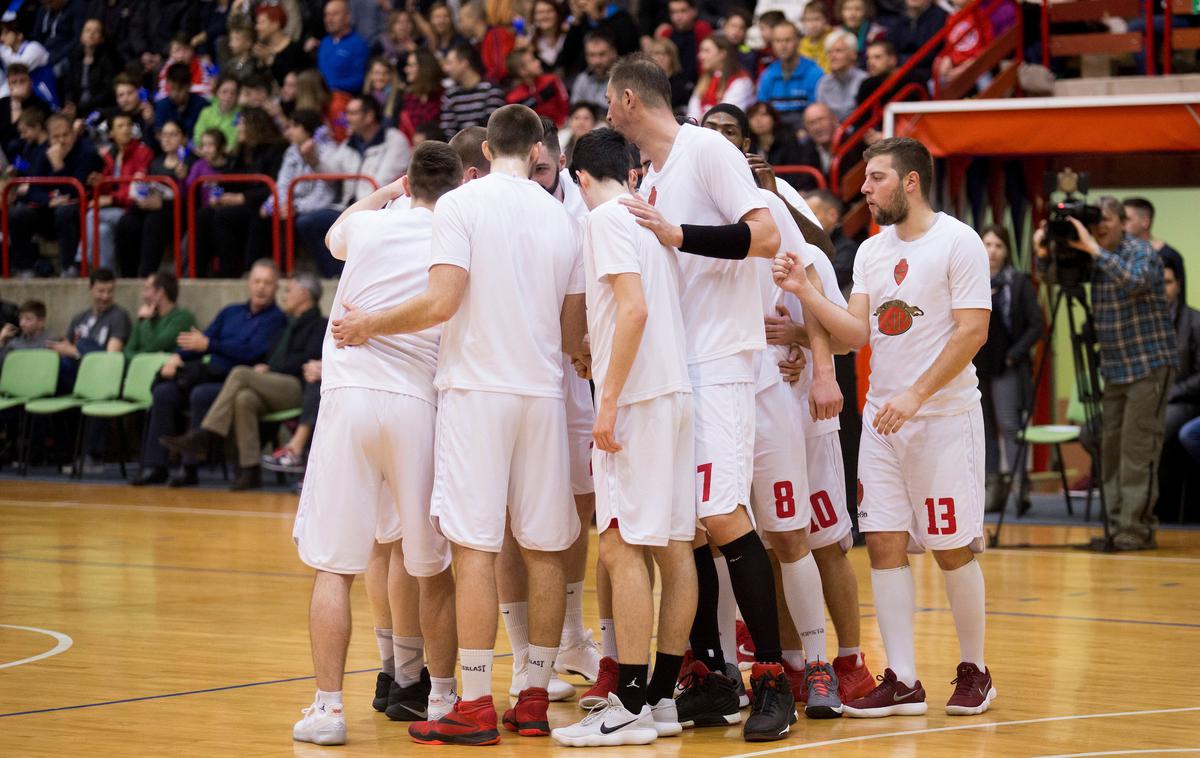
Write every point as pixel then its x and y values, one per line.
pixel 772 707
pixel 581 658
pixel 606 682
pixel 889 698
pixel 383 685
pixel 733 672
pixel 468 723
pixel 409 703
pixel 557 688
pixel 821 686
pixel 528 717
pixel 745 647
pixel 709 698
pixel 973 691
pixel 609 725
pixel 322 725
pixel 666 718
pixel 796 682
pixel 854 678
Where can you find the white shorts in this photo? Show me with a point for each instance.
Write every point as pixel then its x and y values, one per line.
pixel 827 493
pixel 369 476
pixel 648 489
pixel 926 479
pixel 724 423
pixel 778 494
pixel 498 452
pixel 581 417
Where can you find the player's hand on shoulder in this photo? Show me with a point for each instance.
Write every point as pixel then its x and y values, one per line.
pixel 651 218
pixel 352 328
pixel 896 412
pixel 603 431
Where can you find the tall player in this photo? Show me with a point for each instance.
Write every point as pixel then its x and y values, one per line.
pixel 697 177
pixel 922 299
pixel 374 443
pixel 506 275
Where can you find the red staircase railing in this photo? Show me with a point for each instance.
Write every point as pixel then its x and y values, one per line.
pixel 816 174
pixel 228 179
pixel 54 181
pixel 109 181
pixel 290 244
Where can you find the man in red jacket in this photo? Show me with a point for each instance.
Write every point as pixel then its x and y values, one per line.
pixel 534 88
pixel 126 157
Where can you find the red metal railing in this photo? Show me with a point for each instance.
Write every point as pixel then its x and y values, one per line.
pixel 816 174
pixel 150 179
pixel 228 179
pixel 57 181
pixel 290 243
pixel 842 152
pixel 1013 36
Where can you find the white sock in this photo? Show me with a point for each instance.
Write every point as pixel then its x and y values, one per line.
pixel 329 699
pixel 806 604
pixel 439 687
pixel 726 612
pixel 516 625
pixel 541 665
pixel 387 658
pixel 895 604
pixel 476 668
pixel 410 659
pixel 794 658
pixel 573 630
pixel 608 638
pixel 964 588
pixel 844 652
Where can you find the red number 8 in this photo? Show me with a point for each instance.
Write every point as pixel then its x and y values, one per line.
pixel 785 500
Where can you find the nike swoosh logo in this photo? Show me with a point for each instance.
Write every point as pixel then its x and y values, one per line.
pixel 897 698
pixel 983 693
pixel 605 730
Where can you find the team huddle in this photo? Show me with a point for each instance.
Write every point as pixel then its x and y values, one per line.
pixel 459 448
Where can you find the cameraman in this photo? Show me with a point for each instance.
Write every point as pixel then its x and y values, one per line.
pixel 1137 360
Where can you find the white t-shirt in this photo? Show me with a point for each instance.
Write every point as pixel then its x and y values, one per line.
pixel 790 240
pixel 572 197
pixel 387 262
pixel 613 243
pixel 829 283
pixel 706 181
pixel 522 251
pixel 913 288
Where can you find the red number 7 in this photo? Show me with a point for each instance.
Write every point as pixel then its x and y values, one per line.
pixel 705 470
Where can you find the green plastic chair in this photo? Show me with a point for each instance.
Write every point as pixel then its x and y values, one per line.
pixel 287 414
pixel 1058 435
pixel 27 375
pixel 99 378
pixel 136 397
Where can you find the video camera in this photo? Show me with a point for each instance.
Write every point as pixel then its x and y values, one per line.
pixel 1073 266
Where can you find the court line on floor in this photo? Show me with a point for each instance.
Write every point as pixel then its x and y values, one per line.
pixel 964 727
pixel 1143 751
pixel 156 567
pixel 148 509
pixel 63 644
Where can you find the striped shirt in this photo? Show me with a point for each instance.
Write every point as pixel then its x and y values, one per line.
pixel 463 107
pixel 1129 303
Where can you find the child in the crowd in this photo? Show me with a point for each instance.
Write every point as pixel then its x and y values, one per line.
pixel 308 196
pixel 213 160
pixel 815 24
pixel 533 87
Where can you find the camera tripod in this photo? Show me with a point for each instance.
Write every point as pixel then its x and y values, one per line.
pixel 1085 362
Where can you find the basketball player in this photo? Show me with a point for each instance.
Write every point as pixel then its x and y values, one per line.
pixel 643 461
pixel 696 176
pixel 506 276
pixel 374 442
pixel 921 299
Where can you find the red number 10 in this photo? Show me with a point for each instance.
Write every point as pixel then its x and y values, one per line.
pixel 947 516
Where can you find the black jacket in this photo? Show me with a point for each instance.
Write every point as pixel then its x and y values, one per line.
pixel 299 342
pixel 1010 346
pixel 90 87
pixel 1186 388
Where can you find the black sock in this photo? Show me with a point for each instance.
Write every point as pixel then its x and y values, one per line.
pixel 706 637
pixel 631 685
pixel 754 588
pixel 662 681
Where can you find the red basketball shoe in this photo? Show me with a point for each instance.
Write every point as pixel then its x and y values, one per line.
pixel 606 682
pixel 854 678
pixel 528 717
pixel 468 723
pixel 745 647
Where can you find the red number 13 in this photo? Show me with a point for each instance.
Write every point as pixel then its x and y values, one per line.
pixel 949 525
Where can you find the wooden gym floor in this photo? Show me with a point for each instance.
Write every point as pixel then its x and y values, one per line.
pixel 154 622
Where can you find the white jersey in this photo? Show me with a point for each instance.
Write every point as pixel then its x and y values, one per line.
pixel 572 198
pixel 522 251
pixel 613 243
pixel 913 289
pixel 387 262
pixel 790 240
pixel 706 181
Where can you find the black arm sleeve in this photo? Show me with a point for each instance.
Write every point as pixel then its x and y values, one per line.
pixel 730 242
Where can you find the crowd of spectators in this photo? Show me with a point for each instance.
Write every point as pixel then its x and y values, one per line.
pixel 124 89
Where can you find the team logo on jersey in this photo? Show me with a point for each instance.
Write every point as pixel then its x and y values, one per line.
pixel 901 270
pixel 860 492
pixel 895 317
pixel 653 198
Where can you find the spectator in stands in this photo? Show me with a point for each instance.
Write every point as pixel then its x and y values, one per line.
pixel 90 68
pixel 274 49
pixel 881 63
pixel 126 157
pixel 968 38
pixel 1139 220
pixel 342 56
pixel 383 84
pixel 370 18
pixel 146 226
pixel 214 20
pixel 722 79
pixel 766 23
pixel 213 159
pixel 687 31
pixel 1183 398
pixel 240 62
pixel 180 104
pixel 229 232
pixel 273 385
pixel 223 112
pixel 599 17
pixel 422 102
pixel 30 146
pixel 256 92
pixel 104 326
pixel 289 459
pixel 775 141
pixel 828 209
pixel 29 333
pixel 308 196
pixel 56 27
pixel 51 212
pixel 839 88
pixel 662 51
pixel 400 41
pixel 590 85
pixel 815 22
pixel 532 86
pixel 584 118
pixel 733 28
pixel 858 18
pixel 14 49
pixel 922 20
pixel 313 94
pixel 490 33
pixel 184 53
pixel 20 99
pixel 117 18
pixel 439 32
pixel 548 34
pixel 790 83
pixel 159 320
pixel 374 149
pixel 241 334
pixel 472 98
pixel 817 150
pixel 131 99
